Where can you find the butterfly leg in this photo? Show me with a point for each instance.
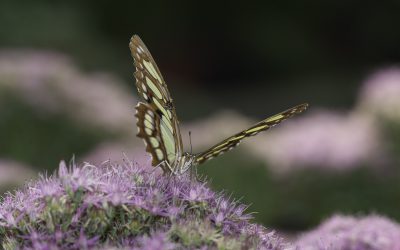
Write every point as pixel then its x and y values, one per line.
pixel 194 175
pixel 170 168
pixel 171 174
pixel 162 166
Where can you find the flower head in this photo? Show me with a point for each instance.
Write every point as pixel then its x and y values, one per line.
pixel 320 139
pixel 352 233
pixel 125 206
pixel 380 95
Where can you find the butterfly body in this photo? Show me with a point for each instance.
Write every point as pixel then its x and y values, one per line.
pixel 158 124
pixel 186 161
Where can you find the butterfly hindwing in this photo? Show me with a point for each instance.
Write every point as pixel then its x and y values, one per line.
pixel 152 88
pixel 157 136
pixel 234 140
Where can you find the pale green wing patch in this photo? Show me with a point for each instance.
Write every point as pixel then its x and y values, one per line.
pixel 233 141
pixel 169 142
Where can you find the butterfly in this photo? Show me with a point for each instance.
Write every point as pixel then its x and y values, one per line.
pixel 158 124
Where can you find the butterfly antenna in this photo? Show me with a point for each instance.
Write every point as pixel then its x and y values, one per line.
pixel 190 140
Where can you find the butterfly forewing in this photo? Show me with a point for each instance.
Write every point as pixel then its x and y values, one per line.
pixel 152 88
pixel 234 140
pixel 149 81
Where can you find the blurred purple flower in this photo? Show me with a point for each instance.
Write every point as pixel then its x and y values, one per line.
pixel 208 131
pixel 352 233
pixel 380 94
pixel 321 139
pixel 12 172
pixel 155 241
pixel 51 83
pixel 84 242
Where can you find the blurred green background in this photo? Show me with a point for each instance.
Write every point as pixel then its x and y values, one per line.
pixel 256 58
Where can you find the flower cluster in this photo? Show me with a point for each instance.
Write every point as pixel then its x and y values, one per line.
pixel 327 139
pixel 125 206
pixel 49 82
pixel 345 232
pixel 380 95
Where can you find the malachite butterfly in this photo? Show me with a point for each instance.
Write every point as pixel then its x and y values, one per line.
pixel 158 124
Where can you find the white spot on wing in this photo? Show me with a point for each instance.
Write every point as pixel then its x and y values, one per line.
pixel 169 114
pixel 144 87
pixel 148 124
pixel 150 113
pixel 159 154
pixel 148 117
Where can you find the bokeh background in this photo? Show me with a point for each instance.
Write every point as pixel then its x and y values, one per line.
pixel 67 89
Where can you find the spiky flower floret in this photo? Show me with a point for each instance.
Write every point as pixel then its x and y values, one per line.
pixel 125 207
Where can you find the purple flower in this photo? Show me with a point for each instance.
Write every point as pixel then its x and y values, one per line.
pixel 155 241
pixel 84 242
pixel 198 193
pixel 13 172
pixel 352 233
pixel 380 94
pixel 50 187
pixel 328 140
pixel 116 206
pixel 50 82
